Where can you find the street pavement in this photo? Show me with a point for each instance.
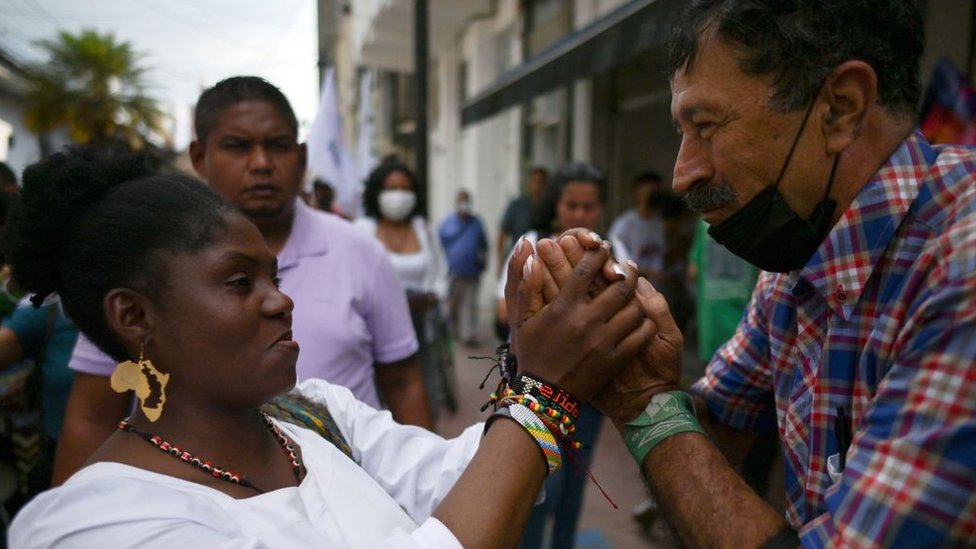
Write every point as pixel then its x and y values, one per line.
pixel 601 526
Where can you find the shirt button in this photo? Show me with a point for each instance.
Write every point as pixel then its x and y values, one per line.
pixel 840 294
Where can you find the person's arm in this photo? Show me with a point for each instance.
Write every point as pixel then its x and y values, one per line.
pixel 503 237
pixel 505 230
pixel 703 498
pixel 576 351
pixel 694 484
pixel 437 280
pixel 498 488
pixel 92 415
pixel 10 350
pixel 24 333
pixel 401 387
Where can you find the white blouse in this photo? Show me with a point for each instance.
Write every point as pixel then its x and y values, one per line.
pixel 423 271
pixel 385 500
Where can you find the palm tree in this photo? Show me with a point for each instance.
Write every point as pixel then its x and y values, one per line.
pixel 93 85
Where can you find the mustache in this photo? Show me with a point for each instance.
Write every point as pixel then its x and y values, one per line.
pixel 703 197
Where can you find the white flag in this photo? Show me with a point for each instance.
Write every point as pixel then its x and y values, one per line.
pixel 365 156
pixel 328 156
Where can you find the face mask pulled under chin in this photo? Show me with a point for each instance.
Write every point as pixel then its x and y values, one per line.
pixel 397 204
pixel 769 234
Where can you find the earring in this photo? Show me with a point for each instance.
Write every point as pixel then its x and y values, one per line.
pixel 148 383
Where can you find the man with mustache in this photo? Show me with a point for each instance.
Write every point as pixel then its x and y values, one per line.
pixel 798 148
pixel 350 316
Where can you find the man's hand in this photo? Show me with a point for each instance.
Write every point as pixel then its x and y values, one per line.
pixel 658 367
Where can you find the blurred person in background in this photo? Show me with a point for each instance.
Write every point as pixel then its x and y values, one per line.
pixel 574 198
pixel 45 337
pixel 520 213
pixel 679 232
pixel 35 345
pixel 641 228
pixel 323 198
pixel 463 237
pixel 355 328
pixel 394 203
pixel 724 284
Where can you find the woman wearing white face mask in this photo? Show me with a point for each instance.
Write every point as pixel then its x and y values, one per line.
pixel 394 202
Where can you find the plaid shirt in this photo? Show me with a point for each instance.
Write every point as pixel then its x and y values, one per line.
pixel 882 322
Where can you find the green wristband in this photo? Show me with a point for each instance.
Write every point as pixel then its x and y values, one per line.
pixel 667 414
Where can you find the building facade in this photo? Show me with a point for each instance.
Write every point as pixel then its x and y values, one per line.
pixel 520 83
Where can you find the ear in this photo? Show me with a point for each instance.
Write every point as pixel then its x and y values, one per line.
pixel 130 315
pixel 198 155
pixel 850 91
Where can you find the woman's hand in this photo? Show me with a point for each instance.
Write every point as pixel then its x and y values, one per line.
pixel 577 341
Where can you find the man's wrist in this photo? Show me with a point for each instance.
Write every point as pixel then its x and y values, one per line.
pixel 667 414
pixel 625 410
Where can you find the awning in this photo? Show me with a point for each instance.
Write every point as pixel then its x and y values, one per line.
pixel 633 28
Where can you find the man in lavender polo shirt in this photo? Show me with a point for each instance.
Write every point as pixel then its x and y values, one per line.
pixel 350 318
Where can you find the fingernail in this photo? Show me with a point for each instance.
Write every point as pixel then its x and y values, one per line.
pixel 619 270
pixel 596 238
pixel 632 263
pixel 527 268
pixel 644 287
pixel 518 245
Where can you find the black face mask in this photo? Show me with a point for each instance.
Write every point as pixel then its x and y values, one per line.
pixel 769 234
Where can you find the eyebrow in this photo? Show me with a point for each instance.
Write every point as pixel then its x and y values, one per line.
pixel 688 112
pixel 232 135
pixel 233 255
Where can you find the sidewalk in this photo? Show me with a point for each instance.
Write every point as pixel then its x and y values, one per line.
pixel 601 526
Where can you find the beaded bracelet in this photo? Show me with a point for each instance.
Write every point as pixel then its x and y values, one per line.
pixel 548 394
pixel 534 425
pixel 561 421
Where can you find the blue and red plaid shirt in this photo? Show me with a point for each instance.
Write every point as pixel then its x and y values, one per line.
pixel 882 323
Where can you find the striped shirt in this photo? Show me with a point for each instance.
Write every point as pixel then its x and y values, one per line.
pixel 882 323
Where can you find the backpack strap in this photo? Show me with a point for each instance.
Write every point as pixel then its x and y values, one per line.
pixel 299 410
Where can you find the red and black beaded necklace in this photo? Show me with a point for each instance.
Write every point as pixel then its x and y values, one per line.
pixel 215 470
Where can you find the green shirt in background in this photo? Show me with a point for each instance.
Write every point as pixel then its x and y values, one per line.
pixel 725 283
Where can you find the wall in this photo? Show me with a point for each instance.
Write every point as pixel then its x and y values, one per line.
pixel 948 33
pixel 23 147
pixel 484 157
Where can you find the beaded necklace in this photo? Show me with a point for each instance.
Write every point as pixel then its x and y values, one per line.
pixel 215 470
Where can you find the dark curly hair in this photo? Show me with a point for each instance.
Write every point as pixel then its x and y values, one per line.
pixel 575 172
pixel 374 186
pixel 800 41
pixel 233 90
pixel 89 221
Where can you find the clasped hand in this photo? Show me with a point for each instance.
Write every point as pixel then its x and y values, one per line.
pixel 590 325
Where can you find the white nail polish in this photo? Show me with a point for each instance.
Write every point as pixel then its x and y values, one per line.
pixel 527 268
pixel 518 245
pixel 596 237
pixel 632 263
pixel 619 270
